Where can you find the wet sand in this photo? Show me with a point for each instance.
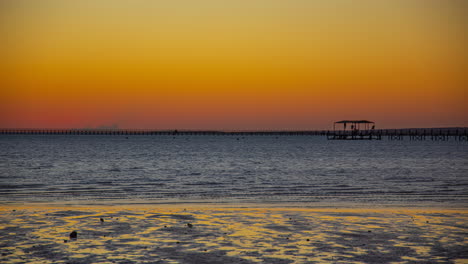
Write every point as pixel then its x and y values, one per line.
pixel 179 234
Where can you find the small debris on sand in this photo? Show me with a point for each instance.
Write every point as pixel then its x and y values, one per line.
pixel 102 220
pixel 189 225
pixel 74 235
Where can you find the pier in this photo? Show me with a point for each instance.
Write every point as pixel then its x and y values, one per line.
pixel 457 134
pixel 354 130
pixel 363 132
pixel 139 132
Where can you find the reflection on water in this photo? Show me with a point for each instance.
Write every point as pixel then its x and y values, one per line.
pixel 219 169
pixel 230 235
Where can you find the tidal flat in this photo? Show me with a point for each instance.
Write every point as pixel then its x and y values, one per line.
pixel 217 234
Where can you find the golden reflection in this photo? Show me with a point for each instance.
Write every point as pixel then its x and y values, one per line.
pixel 323 235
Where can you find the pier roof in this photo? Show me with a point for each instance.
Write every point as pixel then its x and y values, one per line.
pixel 355 121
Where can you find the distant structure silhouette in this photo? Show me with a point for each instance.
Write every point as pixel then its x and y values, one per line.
pixel 359 130
pixel 355 124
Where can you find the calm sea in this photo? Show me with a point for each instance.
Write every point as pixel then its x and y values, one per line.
pixel 309 170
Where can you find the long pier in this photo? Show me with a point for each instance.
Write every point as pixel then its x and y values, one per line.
pixel 435 134
pixel 135 132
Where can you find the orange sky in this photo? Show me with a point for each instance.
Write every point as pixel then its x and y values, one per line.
pixel 234 65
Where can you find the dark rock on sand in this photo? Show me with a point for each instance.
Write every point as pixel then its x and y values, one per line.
pixel 102 220
pixel 73 235
pixel 189 225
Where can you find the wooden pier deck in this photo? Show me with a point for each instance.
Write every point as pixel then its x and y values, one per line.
pixel 436 134
pixel 402 134
pixel 139 132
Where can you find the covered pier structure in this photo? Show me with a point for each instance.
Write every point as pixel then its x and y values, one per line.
pixel 354 130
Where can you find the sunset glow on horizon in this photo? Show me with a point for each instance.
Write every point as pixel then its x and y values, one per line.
pixel 232 65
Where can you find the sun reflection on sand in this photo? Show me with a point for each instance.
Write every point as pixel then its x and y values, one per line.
pixel 231 235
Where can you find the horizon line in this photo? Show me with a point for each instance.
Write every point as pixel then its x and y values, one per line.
pixel 216 130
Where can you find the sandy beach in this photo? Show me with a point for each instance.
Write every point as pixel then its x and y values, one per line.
pixel 215 234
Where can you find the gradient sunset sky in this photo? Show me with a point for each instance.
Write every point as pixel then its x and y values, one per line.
pixel 233 65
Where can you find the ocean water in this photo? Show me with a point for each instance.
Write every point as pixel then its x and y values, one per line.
pixel 309 170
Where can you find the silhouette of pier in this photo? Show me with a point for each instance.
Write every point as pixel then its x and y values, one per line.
pixel 354 130
pixel 458 134
pixel 128 132
pixel 365 130
pixel 362 133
